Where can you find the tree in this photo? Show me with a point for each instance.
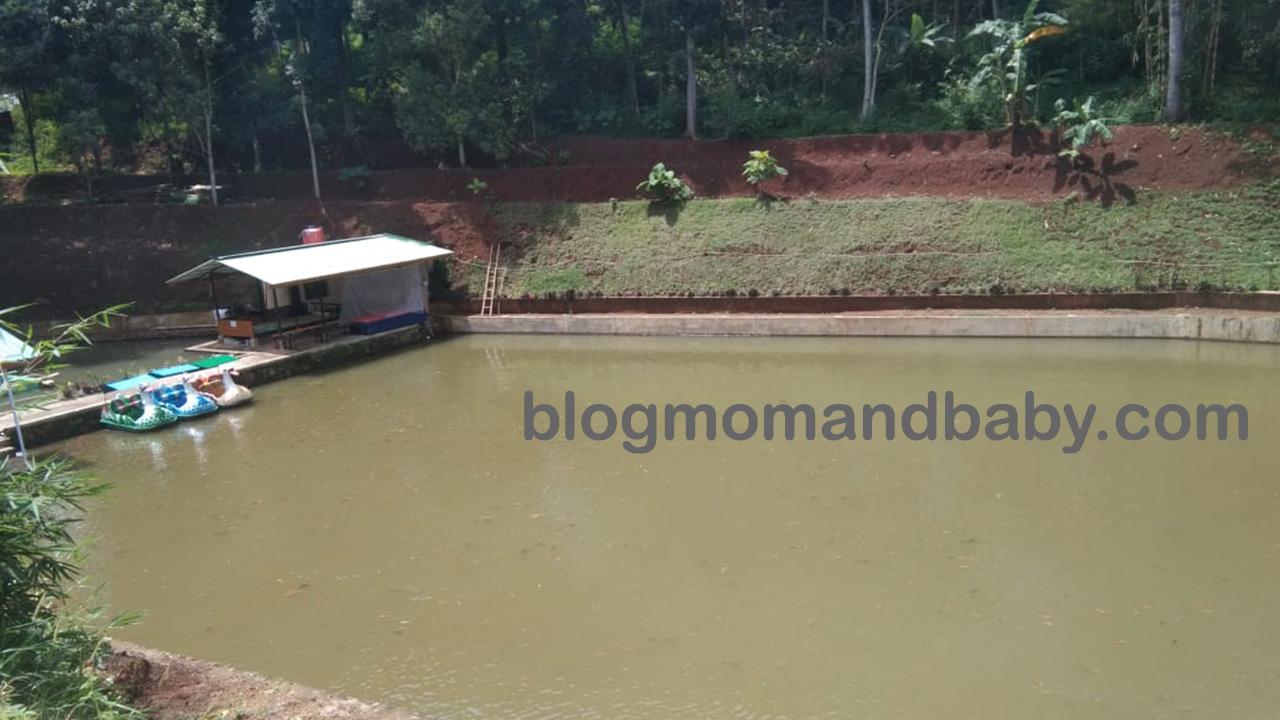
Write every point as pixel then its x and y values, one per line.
pixel 24 58
pixel 873 53
pixel 186 39
pixel 686 23
pixel 452 95
pixel 284 19
pixel 1173 110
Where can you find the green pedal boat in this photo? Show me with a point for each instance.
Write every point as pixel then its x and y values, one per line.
pixel 136 413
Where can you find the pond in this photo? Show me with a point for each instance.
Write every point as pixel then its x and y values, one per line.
pixel 386 531
pixel 112 360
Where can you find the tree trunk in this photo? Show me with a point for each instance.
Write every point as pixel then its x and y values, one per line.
pixel 826 18
pixel 1173 89
pixel 996 11
pixel 1162 47
pixel 462 153
pixel 29 119
pixel 690 88
pixel 1215 34
pixel 306 120
pixel 632 87
pixel 257 152
pixel 889 14
pixel 502 46
pixel 869 61
pixel 311 143
pixel 208 135
pixel 344 93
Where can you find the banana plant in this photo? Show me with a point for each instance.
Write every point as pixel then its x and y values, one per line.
pixel 1080 126
pixel 1004 67
pixel 920 35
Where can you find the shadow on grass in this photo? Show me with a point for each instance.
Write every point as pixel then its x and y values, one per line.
pixel 765 201
pixel 520 225
pixel 668 210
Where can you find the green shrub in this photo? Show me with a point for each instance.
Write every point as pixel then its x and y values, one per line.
pixel 477 186
pixel 730 115
pixel 761 167
pixel 45 651
pixel 968 107
pixel 665 186
pixel 357 175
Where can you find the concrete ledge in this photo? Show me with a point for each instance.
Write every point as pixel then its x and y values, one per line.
pixel 145 327
pixel 1201 325
pixel 65 419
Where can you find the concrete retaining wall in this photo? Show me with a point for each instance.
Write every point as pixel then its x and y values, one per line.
pixel 1187 326
pixel 148 327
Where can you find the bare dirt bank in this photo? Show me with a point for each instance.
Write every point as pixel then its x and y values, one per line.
pixel 176 687
pixel 1024 166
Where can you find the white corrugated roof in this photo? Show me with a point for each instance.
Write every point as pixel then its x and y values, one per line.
pixel 303 263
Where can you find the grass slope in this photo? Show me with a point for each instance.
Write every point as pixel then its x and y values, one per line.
pixel 1226 240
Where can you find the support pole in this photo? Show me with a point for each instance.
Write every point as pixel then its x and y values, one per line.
pixel 17 424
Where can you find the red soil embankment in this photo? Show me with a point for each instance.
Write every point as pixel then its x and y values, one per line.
pixel 81 257
pixel 175 687
pixel 999 165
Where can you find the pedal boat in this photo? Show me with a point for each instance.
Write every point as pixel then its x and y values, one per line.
pixel 136 413
pixel 223 389
pixel 183 400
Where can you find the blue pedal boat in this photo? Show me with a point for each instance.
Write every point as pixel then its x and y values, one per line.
pixel 183 400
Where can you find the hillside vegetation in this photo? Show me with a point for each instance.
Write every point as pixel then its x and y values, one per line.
pixel 207 86
pixel 1206 241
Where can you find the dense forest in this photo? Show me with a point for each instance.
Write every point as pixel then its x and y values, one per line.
pixel 246 85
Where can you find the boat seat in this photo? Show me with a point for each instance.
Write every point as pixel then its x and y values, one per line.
pixel 126 406
pixel 171 395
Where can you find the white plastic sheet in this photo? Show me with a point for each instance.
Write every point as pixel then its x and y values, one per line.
pixel 384 292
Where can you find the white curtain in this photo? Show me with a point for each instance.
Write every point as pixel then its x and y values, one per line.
pixel 384 292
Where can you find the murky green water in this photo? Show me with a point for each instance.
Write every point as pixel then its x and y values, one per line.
pixel 386 531
pixel 112 360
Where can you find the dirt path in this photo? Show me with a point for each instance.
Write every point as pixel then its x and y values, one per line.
pixel 175 687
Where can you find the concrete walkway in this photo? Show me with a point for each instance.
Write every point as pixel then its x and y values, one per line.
pixel 62 419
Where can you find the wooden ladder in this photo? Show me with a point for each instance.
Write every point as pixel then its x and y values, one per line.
pixel 490 281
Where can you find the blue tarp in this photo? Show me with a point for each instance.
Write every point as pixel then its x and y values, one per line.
pixel 130 383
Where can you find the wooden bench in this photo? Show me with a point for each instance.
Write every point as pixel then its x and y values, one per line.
pixel 288 339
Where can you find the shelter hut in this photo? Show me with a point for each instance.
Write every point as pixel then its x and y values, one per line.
pixel 363 285
pixel 15 353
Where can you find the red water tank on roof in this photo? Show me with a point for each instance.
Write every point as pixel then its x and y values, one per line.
pixel 312 234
